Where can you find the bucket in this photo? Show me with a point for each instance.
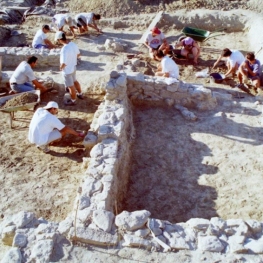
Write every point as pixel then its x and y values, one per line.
pixel 216 77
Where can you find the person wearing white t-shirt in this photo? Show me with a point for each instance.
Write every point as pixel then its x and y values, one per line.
pixel 68 62
pixel 167 68
pixel 45 127
pixel 60 20
pixel 40 39
pixel 85 20
pixel 234 59
pixel 23 79
pixel 155 41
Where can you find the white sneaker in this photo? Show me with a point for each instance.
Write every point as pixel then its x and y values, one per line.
pixel 44 148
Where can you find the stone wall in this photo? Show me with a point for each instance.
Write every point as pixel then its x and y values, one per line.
pixel 96 217
pixel 12 56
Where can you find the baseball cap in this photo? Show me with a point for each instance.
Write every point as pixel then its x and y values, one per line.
pixel 59 35
pixel 156 30
pixel 51 104
pixel 188 41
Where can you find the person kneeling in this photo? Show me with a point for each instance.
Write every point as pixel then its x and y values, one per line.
pixel 167 68
pixel 250 69
pixel 45 127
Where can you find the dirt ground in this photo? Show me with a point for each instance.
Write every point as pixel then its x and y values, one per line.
pixel 59 182
pixel 180 169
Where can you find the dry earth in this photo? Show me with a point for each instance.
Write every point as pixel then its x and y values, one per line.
pixel 180 169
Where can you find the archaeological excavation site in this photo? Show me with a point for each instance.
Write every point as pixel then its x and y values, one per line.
pixel 170 170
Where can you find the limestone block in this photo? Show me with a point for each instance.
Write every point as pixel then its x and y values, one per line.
pixel 213 230
pixel 2 51
pixel 198 223
pixel 94 237
pixel 236 244
pixel 84 201
pixel 243 230
pixel 97 150
pixel 188 115
pixel 132 220
pixel 103 219
pixel 65 225
pixel 256 246
pixel 8 234
pixel 199 92
pixel 90 186
pixel 221 96
pixel 45 236
pixel 168 94
pixel 134 241
pixel 49 227
pixel 110 148
pixel 13 255
pixel 141 232
pixel 173 87
pixel 234 222
pixel 107 118
pixel 151 94
pixel 229 231
pixel 183 87
pixel 102 205
pixel 90 140
pixel 121 114
pixel 254 225
pixel 122 81
pixel 210 243
pixel 95 172
pixel 105 131
pixel 22 218
pixel 84 214
pixel 156 226
pixel 219 222
pixel 118 129
pixel 135 76
pixel 42 251
pixel 176 241
pixel 117 47
pixel 20 240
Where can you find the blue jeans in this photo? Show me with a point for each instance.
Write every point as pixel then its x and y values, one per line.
pixel 22 87
pixel 40 46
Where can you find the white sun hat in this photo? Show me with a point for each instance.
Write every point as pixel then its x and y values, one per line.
pixel 51 104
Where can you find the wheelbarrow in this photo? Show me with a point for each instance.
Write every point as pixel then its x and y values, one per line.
pixel 11 110
pixel 199 34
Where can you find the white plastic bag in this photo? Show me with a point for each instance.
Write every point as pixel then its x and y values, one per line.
pixel 203 73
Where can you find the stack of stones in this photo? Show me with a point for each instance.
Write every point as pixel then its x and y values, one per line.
pixel 12 56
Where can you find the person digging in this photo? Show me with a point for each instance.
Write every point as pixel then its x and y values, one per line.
pixel 46 128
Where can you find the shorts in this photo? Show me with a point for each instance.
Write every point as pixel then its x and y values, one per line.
pixel 53 136
pixel 253 77
pixel 22 87
pixel 69 79
pixel 81 22
pixel 40 46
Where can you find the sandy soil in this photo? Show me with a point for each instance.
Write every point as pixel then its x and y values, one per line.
pixel 207 168
pixel 22 163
